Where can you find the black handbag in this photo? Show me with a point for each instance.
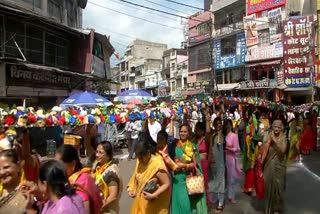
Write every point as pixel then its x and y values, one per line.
pixel 151 186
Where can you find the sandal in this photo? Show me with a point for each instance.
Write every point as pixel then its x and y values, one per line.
pixel 219 209
pixel 232 201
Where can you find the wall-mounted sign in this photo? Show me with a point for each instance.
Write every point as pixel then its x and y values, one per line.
pixel 206 83
pixel 254 84
pixel 19 75
pixel 274 19
pixel 254 6
pixel 297 33
pixel 190 85
pixel 198 85
pixel 231 60
pixel 251 30
pixel 265 52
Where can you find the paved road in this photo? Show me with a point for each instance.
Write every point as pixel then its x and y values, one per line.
pixel 302 193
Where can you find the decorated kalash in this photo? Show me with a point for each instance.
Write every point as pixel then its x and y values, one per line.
pixel 32 117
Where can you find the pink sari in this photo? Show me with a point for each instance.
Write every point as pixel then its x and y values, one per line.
pixel 203 148
pixel 233 167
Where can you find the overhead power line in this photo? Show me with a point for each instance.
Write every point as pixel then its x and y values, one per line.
pixel 136 17
pixel 144 10
pixel 186 5
pixel 164 6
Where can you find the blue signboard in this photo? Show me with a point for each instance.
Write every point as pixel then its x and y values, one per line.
pixel 230 60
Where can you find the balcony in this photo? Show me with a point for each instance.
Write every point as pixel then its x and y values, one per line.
pixel 229 29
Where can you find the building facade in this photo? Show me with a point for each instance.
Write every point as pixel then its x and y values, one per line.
pixel 200 76
pixel 141 66
pixel 43 59
pixel 175 71
pixel 280 56
pixel 229 47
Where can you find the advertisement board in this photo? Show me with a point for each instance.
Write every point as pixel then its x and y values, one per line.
pixel 274 19
pixel 230 60
pixel 265 52
pixel 298 34
pixel 251 30
pixel 254 6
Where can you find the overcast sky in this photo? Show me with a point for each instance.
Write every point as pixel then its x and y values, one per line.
pixel 115 24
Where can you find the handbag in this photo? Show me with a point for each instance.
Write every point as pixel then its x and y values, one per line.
pixel 14 203
pixel 151 186
pixel 195 183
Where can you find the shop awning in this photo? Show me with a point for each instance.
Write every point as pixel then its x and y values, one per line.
pixel 58 70
pixel 192 92
pixel 298 89
pixel 228 87
pixel 273 62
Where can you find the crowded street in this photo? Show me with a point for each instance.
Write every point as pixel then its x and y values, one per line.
pixel 159 106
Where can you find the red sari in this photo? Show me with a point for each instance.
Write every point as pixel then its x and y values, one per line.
pixel 308 139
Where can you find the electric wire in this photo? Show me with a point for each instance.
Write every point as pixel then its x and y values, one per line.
pixel 136 17
pixel 186 5
pixel 164 6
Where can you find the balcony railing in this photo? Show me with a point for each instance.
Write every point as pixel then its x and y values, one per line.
pixel 228 29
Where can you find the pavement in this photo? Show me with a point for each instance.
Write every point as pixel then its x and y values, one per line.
pixel 301 196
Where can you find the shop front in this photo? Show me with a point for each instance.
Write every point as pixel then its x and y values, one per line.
pixel 34 85
pixel 259 88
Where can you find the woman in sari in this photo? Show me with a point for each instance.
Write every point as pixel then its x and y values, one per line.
pixel 294 138
pixel 107 177
pixel 186 156
pixel 80 178
pixel 149 168
pixel 275 169
pixel 11 172
pixel 203 147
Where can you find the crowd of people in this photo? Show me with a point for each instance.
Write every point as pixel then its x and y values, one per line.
pixel 183 165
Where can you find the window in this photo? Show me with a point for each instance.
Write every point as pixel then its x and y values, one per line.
pixel 14 32
pixel 34 44
pixel 1 36
pixel 228 45
pixel 173 66
pixel 203 28
pixel 97 49
pixel 34 3
pixel 204 56
pixel 54 9
pixel 71 13
pixel 57 51
pixel 264 37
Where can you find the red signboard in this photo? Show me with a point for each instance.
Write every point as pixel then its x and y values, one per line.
pixel 298 51
pixel 254 6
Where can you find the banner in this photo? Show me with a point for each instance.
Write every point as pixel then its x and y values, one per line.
pixel 254 6
pixel 250 29
pixel 274 18
pixel 298 34
pixel 230 60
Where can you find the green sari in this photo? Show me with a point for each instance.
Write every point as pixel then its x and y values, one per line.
pixel 181 202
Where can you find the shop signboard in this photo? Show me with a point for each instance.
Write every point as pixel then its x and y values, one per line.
pixel 255 6
pixel 254 84
pixel 20 75
pixel 190 85
pixel 274 19
pixel 265 52
pixel 230 60
pixel 298 34
pixel 198 85
pixel 251 30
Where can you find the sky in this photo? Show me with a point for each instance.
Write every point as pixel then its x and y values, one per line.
pixel 123 29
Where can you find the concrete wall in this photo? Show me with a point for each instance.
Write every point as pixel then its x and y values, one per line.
pixel 305 7
pixel 41 7
pixel 150 50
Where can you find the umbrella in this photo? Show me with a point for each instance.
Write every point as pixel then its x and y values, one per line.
pixel 136 101
pixel 86 99
pixel 128 95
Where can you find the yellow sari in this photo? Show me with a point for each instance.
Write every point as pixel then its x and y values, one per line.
pixel 22 180
pixel 141 176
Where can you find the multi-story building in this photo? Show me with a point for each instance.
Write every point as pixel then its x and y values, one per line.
pixel 44 55
pixel 175 71
pixel 229 46
pixel 141 66
pixel 199 54
pixel 280 56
